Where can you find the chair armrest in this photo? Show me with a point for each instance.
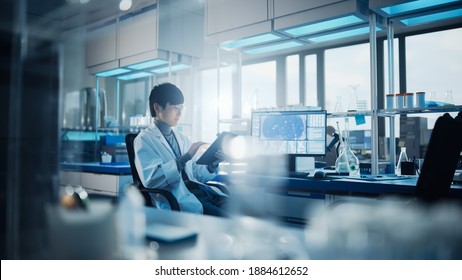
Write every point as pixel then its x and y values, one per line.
pixel 219 185
pixel 171 199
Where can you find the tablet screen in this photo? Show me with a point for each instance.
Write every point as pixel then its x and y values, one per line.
pixel 209 155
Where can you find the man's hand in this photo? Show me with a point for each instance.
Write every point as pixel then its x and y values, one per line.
pixel 220 157
pixel 194 148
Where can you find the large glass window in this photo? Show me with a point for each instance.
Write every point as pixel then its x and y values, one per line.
pixel 311 82
pixel 347 79
pixel 292 80
pixel 258 87
pixel 213 101
pixel 395 88
pixel 434 65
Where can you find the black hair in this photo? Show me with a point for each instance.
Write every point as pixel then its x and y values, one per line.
pixel 163 94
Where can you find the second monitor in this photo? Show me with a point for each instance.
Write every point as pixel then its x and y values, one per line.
pixel 291 132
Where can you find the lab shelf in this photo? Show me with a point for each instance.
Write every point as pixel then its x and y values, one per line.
pixel 426 110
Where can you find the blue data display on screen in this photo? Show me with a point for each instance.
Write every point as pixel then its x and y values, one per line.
pixel 283 127
pixel 290 132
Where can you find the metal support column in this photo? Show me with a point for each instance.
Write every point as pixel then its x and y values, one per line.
pixel 391 85
pixel 374 103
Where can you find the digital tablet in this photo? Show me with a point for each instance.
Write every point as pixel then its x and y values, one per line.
pixel 209 155
pixel 168 233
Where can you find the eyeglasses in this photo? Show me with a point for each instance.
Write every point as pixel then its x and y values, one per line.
pixel 178 107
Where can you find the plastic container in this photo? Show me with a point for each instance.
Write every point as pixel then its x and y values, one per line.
pixel 399 100
pixel 390 98
pixel 106 158
pixel 409 99
pixel 420 99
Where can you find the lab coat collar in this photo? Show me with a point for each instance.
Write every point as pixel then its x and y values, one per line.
pixel 161 138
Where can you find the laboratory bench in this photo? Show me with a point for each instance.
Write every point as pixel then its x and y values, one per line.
pixel 97 178
pixel 249 238
pixel 294 200
pixel 298 199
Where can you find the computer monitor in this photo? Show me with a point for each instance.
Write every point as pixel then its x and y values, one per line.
pixel 291 132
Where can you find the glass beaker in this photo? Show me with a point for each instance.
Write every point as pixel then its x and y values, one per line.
pixel 402 157
pixel 347 162
pixel 449 99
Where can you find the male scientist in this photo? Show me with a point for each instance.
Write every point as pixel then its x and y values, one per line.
pixel 164 158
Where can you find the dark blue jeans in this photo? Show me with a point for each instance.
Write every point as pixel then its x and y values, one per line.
pixel 213 204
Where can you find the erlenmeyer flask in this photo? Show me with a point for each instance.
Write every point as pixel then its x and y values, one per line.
pixel 347 162
pixel 353 101
pixel 402 157
pixel 338 105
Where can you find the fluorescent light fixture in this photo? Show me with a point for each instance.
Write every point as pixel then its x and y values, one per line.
pixel 113 72
pixel 176 67
pixel 339 35
pixel 323 26
pixel 413 6
pixel 258 39
pixel 148 64
pixel 274 47
pixel 134 76
pixel 432 17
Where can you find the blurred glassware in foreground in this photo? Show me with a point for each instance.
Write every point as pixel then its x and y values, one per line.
pixel 390 229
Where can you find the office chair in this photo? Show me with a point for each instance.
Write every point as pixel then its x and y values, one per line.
pixel 440 162
pixel 129 138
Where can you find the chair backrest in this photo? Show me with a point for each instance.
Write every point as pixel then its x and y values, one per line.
pixel 129 138
pixel 441 158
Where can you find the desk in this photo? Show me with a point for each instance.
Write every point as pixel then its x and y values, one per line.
pixel 97 178
pixel 229 238
pixel 349 231
pixel 334 186
pixel 296 199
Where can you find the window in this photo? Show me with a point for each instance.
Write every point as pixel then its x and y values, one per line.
pixel 211 99
pixel 395 67
pixel 347 72
pixel 258 87
pixel 311 81
pixel 433 65
pixel 292 80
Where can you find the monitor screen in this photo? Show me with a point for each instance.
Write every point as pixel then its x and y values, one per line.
pixel 291 132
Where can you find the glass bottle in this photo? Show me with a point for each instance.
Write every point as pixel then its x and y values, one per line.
pixel 347 162
pixel 132 224
pixel 402 157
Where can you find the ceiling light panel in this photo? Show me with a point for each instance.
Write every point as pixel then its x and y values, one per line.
pixel 432 17
pixel 113 72
pixel 274 47
pixel 339 35
pixel 414 6
pixel 323 26
pixel 249 41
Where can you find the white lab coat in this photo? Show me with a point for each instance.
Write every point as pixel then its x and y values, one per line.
pixel 157 168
